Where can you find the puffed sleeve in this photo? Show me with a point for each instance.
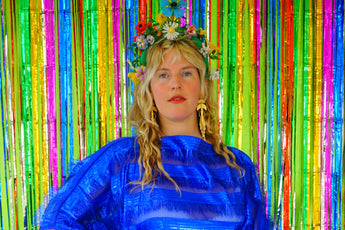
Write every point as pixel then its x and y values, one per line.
pixel 85 201
pixel 255 210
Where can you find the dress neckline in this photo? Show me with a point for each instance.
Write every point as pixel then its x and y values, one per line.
pixel 185 142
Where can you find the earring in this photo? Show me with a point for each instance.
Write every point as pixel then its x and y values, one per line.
pixel 153 114
pixel 201 108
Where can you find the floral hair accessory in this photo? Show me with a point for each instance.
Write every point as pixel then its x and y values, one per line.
pixel 168 26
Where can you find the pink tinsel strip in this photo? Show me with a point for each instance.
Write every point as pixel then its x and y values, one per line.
pixel 50 73
pixel 327 111
pixel 117 75
pixel 258 49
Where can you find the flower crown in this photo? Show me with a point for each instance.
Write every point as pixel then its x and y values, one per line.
pixel 168 26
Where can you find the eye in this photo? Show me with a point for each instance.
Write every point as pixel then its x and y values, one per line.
pixel 163 75
pixel 187 74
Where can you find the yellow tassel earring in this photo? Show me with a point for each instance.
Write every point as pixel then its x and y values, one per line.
pixel 154 114
pixel 201 108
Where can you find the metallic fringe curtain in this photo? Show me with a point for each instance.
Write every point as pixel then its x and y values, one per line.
pixel 64 94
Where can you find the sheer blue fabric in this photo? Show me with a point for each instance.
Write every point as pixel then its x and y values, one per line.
pixel 213 195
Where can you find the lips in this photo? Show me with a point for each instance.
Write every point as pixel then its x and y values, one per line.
pixel 177 99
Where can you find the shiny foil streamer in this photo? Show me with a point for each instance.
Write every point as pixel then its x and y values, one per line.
pixel 101 81
pixel 202 12
pixel 277 168
pixel 317 187
pixel 211 20
pixel 73 87
pixel 95 106
pixel 239 77
pixel 50 70
pixel 310 113
pixel 246 78
pixel 298 116
pixel 45 173
pixel 132 18
pixel 110 76
pixel 267 170
pixel 142 10
pixel 65 71
pixel 88 73
pixel 287 81
pixel 57 97
pixel 223 40
pixel 19 176
pixel 338 111
pixel 4 159
pixel 306 106
pixel 261 87
pixel 225 73
pixel 327 112
pixel 258 45
pixel 34 23
pixel 92 96
pixel 253 89
pixel 232 71
pixel 8 41
pixel 26 107
pixel 116 52
pixel 66 33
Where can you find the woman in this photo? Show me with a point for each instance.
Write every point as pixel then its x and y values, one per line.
pixel 176 173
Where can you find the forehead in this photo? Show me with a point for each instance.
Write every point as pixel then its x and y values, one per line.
pixel 173 56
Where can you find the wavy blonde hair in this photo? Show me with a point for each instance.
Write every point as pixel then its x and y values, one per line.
pixel 148 135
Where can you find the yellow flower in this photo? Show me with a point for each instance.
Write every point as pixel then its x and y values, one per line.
pixel 161 18
pixel 202 32
pixel 134 78
pixel 213 47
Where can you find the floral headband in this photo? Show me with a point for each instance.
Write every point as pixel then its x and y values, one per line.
pixel 168 26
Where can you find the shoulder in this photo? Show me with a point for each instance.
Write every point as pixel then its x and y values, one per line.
pixel 116 152
pixel 122 147
pixel 242 159
pixel 249 170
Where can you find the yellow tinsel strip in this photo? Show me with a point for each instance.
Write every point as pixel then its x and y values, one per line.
pixel 110 75
pixel 101 18
pixel 34 33
pixel 318 37
pixel 253 82
pixel 239 67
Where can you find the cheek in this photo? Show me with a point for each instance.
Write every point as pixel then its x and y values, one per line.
pixel 196 89
pixel 156 92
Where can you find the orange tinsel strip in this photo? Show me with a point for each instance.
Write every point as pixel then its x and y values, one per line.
pixel 142 10
pixel 287 91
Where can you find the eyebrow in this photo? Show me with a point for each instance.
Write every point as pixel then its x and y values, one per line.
pixel 183 68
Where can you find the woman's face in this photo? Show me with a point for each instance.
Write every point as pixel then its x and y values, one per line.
pixel 175 88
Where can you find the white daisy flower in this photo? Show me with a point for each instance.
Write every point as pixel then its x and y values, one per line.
pixel 141 42
pixel 214 75
pixel 204 50
pixel 169 29
pixel 150 39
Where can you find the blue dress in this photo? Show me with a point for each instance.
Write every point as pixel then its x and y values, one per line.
pixel 213 195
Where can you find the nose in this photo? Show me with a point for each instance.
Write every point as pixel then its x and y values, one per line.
pixel 175 82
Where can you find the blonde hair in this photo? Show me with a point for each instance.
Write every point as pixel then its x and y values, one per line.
pixel 148 135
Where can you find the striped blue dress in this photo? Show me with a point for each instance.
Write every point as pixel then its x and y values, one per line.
pixel 213 195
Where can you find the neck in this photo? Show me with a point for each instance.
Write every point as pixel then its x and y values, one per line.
pixel 172 128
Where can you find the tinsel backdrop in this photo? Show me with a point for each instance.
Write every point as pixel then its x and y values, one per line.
pixel 64 93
